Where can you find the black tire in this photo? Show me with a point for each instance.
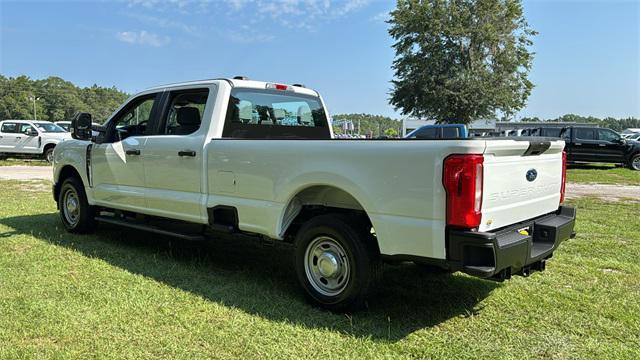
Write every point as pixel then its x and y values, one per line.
pixel 80 218
pixel 634 162
pixel 48 155
pixel 357 255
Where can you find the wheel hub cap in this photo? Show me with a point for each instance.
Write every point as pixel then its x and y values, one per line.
pixel 326 266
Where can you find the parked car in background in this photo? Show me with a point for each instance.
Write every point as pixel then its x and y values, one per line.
pixel 67 126
pixel 634 137
pixel 439 131
pixel 64 124
pixel 27 137
pixel 191 161
pixel 600 145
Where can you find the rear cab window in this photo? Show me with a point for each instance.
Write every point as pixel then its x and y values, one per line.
pixel 273 114
pixel 585 134
pixel 9 127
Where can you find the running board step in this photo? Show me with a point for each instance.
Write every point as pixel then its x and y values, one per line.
pixel 149 228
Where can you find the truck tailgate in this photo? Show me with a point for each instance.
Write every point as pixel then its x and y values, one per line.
pixel 521 180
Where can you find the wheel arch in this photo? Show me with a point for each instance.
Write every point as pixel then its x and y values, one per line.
pixel 318 199
pixel 66 172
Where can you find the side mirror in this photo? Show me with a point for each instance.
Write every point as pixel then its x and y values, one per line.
pixel 81 126
pixel 30 132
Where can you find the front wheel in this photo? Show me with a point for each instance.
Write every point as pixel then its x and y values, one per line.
pixel 48 155
pixel 337 262
pixel 634 163
pixel 75 212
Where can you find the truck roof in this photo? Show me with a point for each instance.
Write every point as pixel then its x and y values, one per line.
pixel 243 83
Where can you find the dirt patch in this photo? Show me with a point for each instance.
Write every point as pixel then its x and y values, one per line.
pixel 22 172
pixel 604 192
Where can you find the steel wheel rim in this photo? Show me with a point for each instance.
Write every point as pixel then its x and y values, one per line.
pixel 326 265
pixel 50 156
pixel 635 163
pixel 71 206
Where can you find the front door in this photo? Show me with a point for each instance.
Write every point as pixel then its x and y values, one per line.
pixel 116 164
pixel 611 146
pixel 29 140
pixel 174 158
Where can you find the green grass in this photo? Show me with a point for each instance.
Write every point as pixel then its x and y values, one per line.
pixel 122 294
pixel 602 174
pixel 23 161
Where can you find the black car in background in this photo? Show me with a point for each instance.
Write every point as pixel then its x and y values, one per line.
pixel 600 145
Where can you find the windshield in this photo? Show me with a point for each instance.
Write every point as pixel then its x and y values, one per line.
pixel 49 127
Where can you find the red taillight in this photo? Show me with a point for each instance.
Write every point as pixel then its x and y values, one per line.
pixel 462 179
pixel 564 176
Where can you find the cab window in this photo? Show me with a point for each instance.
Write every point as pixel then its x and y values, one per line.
pixel 9 128
pixel 608 135
pixel 185 112
pixel 25 127
pixel 450 133
pixel 585 134
pixel 133 120
pixel 267 114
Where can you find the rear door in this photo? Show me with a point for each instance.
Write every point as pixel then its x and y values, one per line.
pixel 518 184
pixel 8 134
pixel 173 156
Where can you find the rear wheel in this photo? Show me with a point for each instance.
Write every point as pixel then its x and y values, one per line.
pixel 336 261
pixel 75 212
pixel 634 163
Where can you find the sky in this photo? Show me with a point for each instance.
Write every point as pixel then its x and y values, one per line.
pixel 587 58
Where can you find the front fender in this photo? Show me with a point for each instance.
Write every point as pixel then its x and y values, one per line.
pixel 70 157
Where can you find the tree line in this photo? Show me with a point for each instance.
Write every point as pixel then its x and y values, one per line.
pixel 366 124
pixel 55 99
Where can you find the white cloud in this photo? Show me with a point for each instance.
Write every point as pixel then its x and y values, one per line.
pixel 381 17
pixel 296 13
pixel 142 38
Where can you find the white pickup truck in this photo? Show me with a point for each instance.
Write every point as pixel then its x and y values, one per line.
pixel 30 137
pixel 257 160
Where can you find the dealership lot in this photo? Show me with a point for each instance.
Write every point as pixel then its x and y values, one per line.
pixel 130 294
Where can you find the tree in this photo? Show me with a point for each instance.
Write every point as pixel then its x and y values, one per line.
pixel 460 60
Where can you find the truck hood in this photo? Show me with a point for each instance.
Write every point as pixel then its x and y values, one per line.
pixel 57 136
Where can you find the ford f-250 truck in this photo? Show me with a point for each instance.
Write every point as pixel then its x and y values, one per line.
pixel 257 160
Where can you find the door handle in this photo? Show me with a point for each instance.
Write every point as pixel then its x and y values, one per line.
pixel 133 152
pixel 187 153
pixel 602 145
pixel 577 144
pixel 18 137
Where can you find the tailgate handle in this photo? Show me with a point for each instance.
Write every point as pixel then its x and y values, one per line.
pixel 537 148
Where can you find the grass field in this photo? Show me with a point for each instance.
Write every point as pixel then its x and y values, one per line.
pixel 25 161
pixel 123 294
pixel 602 174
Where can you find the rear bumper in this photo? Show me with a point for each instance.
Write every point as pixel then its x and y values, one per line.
pixel 515 250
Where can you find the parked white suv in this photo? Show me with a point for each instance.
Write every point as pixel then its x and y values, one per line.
pixel 30 137
pixel 257 160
